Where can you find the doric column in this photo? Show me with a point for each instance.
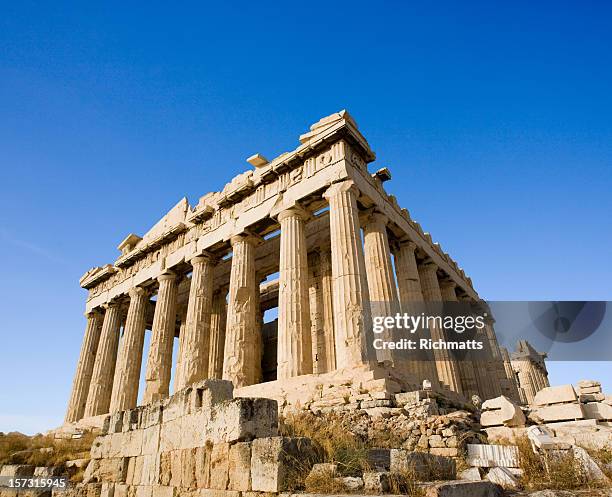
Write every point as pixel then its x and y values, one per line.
pixel 98 399
pixel 196 343
pixel 327 307
pixel 379 271
pixel 85 366
pixel 127 372
pixel 159 361
pixel 469 381
pixel 181 316
pixel 294 355
pixel 217 334
pixel 448 370
pixel 241 332
pixel 411 299
pixel 352 314
pixel 408 281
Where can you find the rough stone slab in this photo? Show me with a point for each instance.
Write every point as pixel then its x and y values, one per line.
pixel 598 410
pixel 243 419
pixel 425 465
pixel 470 474
pixel 489 456
pixel 463 489
pixel 591 397
pixel 112 470
pixel 12 470
pixel 503 477
pixel 589 466
pixel 377 482
pixel 273 458
pixel 501 411
pixel 47 471
pixel 555 395
pixel 219 466
pixel 240 466
pixel 560 412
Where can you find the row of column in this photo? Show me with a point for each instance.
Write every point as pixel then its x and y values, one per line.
pixel 215 341
pixel 108 375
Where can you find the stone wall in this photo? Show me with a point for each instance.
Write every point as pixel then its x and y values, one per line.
pixel 200 439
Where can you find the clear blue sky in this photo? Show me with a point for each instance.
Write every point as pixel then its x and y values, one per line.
pixel 495 121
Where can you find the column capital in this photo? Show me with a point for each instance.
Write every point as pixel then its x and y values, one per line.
pixel 374 216
pixel 341 187
pixel 429 265
pixel 138 291
pixel 113 304
pixel 202 258
pixel 246 237
pixel 446 283
pixel 293 211
pixel 93 313
pixel 167 275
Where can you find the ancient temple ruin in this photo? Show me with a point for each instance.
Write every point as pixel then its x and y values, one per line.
pixel 207 274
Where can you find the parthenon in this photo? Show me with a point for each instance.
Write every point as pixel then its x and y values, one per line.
pixel 312 233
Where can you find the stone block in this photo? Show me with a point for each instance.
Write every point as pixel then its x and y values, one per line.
pixel 121 490
pixel 321 470
pixel 211 392
pixel 591 397
pixel 108 489
pixel 115 423
pixel 98 447
pixel 144 491
pixel 424 465
pixel 131 419
pixel 542 438
pixel 376 482
pixel 501 411
pixel 131 443
pixel 151 415
pixel 588 384
pixel 598 410
pixel 349 483
pixel 436 441
pixel 188 475
pixel 470 474
pixel 150 469
pixel 555 395
pixel 463 489
pixel 16 470
pixel 112 470
pixel 202 466
pixel 274 458
pixel 589 466
pixel 242 419
pixel 170 435
pixel 151 440
pixel 559 412
pixel 489 456
pixel 162 491
pixel 47 471
pixel 176 467
pixel 445 451
pixel 503 477
pixel 240 466
pixel 379 459
pixel 219 466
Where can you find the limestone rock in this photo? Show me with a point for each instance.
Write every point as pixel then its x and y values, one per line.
pixel 501 411
pixel 461 488
pixel 488 456
pixel 470 474
pixel 376 482
pixel 350 483
pixel 274 458
pixel 503 477
pixel 589 466
pixel 555 395
pixel 598 410
pixel 558 412
pixel 16 470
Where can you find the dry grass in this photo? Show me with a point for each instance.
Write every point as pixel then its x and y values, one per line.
pixel 40 450
pixel 405 483
pixel 558 471
pixel 332 439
